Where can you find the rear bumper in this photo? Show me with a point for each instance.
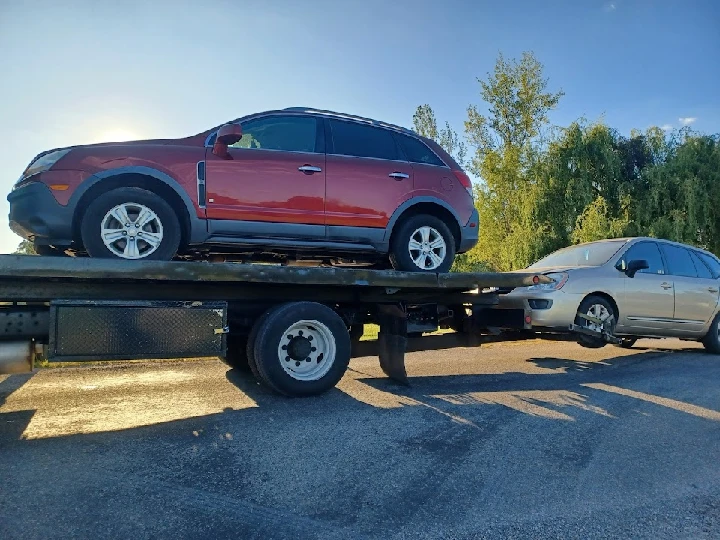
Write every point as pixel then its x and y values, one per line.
pixel 37 216
pixel 469 233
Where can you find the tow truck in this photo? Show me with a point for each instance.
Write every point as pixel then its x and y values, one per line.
pixel 294 328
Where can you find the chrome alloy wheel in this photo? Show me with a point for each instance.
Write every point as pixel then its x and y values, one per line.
pixel 427 248
pixel 131 231
pixel 597 311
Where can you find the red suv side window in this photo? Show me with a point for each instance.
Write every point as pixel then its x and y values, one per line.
pixel 357 140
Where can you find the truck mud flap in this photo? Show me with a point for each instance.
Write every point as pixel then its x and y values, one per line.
pixel 392 341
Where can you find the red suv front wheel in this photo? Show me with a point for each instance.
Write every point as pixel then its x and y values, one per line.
pixel 131 223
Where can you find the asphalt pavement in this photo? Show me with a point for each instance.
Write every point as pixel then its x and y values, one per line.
pixel 521 440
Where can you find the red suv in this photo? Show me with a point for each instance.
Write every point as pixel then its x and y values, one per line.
pixel 293 185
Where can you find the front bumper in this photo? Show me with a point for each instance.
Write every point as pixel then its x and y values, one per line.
pixel 36 215
pixel 468 234
pixel 559 314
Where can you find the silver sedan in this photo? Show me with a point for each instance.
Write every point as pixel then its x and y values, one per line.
pixel 631 287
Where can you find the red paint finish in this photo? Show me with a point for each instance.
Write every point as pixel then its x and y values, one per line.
pixel 72 179
pixel 360 192
pixel 265 185
pixel 440 182
pixel 175 157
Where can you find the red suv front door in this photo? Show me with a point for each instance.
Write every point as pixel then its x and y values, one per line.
pixel 366 181
pixel 273 183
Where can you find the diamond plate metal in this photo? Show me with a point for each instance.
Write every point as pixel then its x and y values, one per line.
pixel 136 330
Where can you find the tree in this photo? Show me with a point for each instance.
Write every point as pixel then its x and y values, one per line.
pixel 425 124
pixel 596 223
pixel 507 154
pixel 25 248
pixel 681 201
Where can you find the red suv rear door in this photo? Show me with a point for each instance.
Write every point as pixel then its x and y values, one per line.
pixel 273 183
pixel 366 180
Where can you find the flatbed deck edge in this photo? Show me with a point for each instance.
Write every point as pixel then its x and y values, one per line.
pixel 29 267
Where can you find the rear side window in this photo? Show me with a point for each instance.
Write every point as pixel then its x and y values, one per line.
pixel 702 270
pixel 679 261
pixel 649 252
pixel 417 151
pixel 712 263
pixel 358 140
pixel 286 133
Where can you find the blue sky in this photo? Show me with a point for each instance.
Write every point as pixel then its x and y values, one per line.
pixel 87 71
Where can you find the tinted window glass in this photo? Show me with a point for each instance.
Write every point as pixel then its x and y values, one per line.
pixel 712 263
pixel 646 251
pixel 701 267
pixel 678 261
pixel 351 139
pixel 416 151
pixel 288 133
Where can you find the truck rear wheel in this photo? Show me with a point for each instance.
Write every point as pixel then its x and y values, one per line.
pixel 300 349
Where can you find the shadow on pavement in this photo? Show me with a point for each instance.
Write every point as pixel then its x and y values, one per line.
pixel 13 424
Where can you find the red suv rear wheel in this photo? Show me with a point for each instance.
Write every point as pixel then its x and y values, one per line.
pixel 422 243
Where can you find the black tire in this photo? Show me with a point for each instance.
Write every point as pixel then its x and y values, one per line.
pixel 271 334
pixel 589 341
pixel 236 354
pixel 97 210
pixel 627 343
pixel 400 257
pixel 250 349
pixel 712 338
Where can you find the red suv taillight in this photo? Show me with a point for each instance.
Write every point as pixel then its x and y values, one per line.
pixel 465 181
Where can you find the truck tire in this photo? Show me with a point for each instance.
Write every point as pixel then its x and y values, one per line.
pixel 236 352
pixel 596 306
pixel 250 351
pixel 422 243
pixel 301 349
pixel 711 341
pixel 130 223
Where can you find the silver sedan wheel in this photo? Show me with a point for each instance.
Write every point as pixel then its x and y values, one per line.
pixel 307 350
pixel 427 248
pixel 131 231
pixel 598 311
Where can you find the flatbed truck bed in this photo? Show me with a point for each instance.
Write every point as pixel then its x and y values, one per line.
pixel 295 328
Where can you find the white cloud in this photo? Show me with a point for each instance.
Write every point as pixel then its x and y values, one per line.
pixel 687 120
pixel 609 7
pixel 666 127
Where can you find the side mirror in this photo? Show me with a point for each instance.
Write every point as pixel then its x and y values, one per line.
pixel 226 135
pixel 634 266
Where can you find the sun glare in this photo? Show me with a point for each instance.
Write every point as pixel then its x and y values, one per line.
pixel 117 135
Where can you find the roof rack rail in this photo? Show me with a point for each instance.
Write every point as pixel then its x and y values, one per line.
pixel 351 117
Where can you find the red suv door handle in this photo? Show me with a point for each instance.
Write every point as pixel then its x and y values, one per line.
pixel 309 169
pixel 398 175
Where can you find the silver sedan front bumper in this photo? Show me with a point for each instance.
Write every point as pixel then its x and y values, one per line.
pixel 554 310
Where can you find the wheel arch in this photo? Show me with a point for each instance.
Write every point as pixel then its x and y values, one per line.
pixel 146 178
pixel 425 205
